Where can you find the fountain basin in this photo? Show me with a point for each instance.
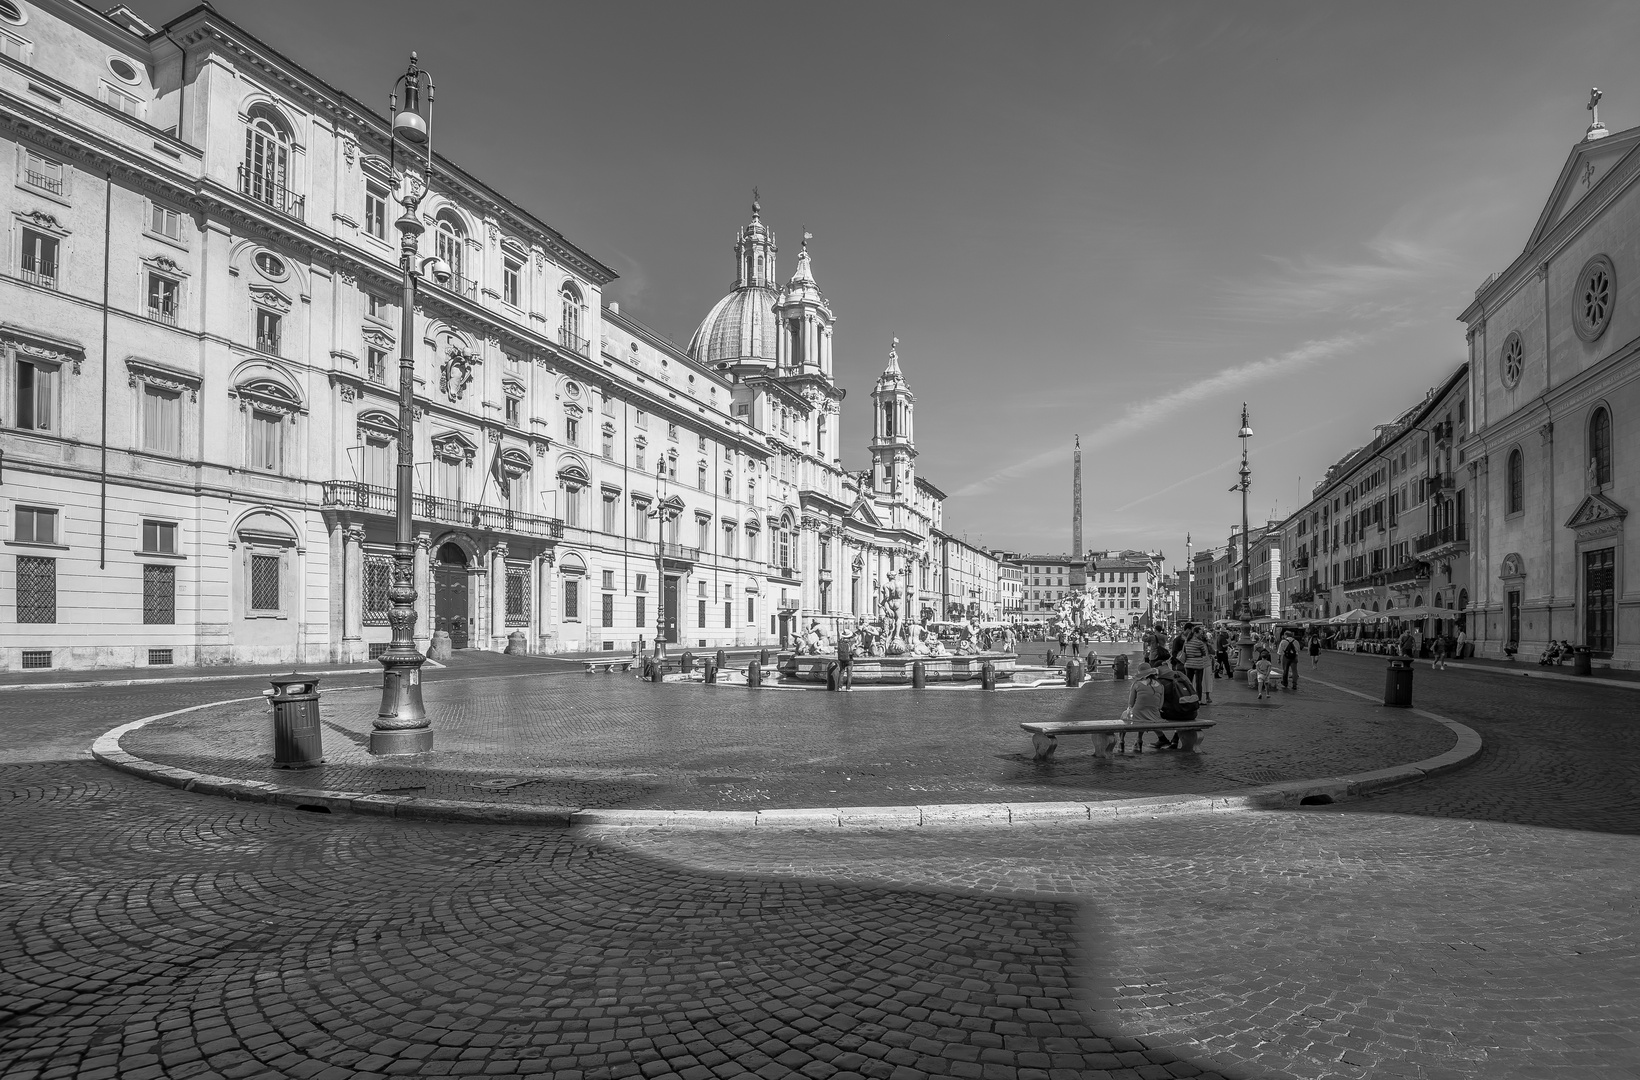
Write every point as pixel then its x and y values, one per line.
pixel 897 669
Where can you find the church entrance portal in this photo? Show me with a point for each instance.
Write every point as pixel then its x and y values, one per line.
pixel 451 604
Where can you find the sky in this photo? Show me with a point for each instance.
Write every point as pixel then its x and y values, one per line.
pixel 1118 221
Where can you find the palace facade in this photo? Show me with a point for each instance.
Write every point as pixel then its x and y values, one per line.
pixel 199 329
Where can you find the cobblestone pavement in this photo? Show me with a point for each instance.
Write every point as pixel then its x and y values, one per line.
pixel 599 741
pixel 1466 926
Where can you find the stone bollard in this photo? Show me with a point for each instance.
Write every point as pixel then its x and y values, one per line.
pixel 1119 668
pixel 709 672
pixel 1053 658
pixel 919 675
pixel 754 674
pixel 722 659
pixel 687 662
pixel 440 648
pixel 763 658
pixel 987 676
pixel 1073 673
pixel 517 643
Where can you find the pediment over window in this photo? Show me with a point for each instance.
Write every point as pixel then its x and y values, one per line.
pixel 1513 566
pixel 1597 516
pixel 512 389
pixel 272 299
pixel 37 346
pixel 454 446
pixel 515 463
pixel 377 423
pixel 377 338
pixel 863 512
pixel 269 396
pixel 163 376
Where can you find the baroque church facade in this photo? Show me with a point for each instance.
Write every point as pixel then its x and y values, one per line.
pixel 199 322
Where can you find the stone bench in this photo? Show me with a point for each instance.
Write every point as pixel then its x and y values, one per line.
pixel 606 666
pixel 1045 734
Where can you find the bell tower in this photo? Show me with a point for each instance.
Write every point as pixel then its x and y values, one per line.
pixel 754 251
pixel 805 321
pixel 893 445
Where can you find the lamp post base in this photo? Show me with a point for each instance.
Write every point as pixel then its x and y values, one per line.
pixel 398 743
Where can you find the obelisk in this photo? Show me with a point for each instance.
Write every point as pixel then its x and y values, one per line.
pixel 1076 502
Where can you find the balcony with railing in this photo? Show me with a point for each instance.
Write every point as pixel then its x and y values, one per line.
pixel 679 553
pixel 43 181
pixel 1448 541
pixel 352 495
pixel 268 343
pixel 461 286
pixel 38 271
pixel 572 341
pixel 266 191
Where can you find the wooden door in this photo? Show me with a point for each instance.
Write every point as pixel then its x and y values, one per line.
pixel 669 607
pixel 451 611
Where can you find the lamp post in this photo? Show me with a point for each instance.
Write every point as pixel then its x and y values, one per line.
pixel 401 725
pixel 1244 642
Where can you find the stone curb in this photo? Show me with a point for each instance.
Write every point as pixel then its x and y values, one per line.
pixel 1292 793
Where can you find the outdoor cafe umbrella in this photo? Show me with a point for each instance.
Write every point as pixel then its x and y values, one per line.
pixel 1355 615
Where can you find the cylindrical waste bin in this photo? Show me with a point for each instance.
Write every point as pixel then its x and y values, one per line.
pixel 1119 668
pixel 1398 683
pixel 919 675
pixel 296 740
pixel 1580 661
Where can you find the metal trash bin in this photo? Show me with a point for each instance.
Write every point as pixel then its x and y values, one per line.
pixel 1398 683
pixel 1580 661
pixel 297 743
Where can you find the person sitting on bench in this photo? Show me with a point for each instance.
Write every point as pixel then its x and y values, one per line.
pixel 1180 704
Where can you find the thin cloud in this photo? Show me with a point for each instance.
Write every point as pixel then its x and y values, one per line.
pixel 1221 467
pixel 1144 415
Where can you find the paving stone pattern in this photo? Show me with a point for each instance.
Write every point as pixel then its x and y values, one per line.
pixel 615 741
pixel 1478 924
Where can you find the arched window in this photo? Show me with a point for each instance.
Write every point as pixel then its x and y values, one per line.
pixel 1516 499
pixel 266 172
pixel 569 326
pixel 449 244
pixel 1600 446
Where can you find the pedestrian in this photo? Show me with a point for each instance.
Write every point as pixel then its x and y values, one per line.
pixel 1463 643
pixel 1409 642
pixel 1263 676
pixel 1221 654
pixel 846 645
pixel 1076 643
pixel 1061 642
pixel 1437 653
pixel 1197 655
pixel 1315 649
pixel 1287 652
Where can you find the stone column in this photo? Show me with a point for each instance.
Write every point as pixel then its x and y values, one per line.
pixel 353 594
pixel 545 619
pixel 498 595
pixel 424 592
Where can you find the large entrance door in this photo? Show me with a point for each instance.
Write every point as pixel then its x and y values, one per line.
pixel 1600 600
pixel 451 604
pixel 669 609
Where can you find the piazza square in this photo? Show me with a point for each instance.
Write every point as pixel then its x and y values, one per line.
pixel 455 619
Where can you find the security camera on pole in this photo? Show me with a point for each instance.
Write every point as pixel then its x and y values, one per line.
pixel 1244 606
pixel 401 724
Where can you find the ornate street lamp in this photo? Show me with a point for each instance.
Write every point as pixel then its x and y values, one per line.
pixel 1244 611
pixel 401 724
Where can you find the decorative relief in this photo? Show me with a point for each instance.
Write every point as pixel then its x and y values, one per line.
pixel 1597 517
pixel 42 349
pixel 270 298
pixel 377 338
pixel 453 447
pixel 350 149
pixel 1513 566
pixel 348 393
pixel 144 371
pixel 44 220
pixel 347 277
pixel 165 263
pixel 459 369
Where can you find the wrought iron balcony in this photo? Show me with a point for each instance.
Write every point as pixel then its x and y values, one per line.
pixel 461 286
pixel 39 271
pixel 43 181
pixel 1450 540
pixel 264 190
pixel 1300 561
pixel 572 341
pixel 166 315
pixel 352 495
pixel 1303 596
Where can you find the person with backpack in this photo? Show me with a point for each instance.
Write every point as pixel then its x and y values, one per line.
pixel 1287 653
pixel 1180 703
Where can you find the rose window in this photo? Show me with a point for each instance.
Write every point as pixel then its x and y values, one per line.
pixel 1513 359
pixel 1594 298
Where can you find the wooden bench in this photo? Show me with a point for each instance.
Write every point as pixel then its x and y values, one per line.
pixel 1045 735
pixel 606 666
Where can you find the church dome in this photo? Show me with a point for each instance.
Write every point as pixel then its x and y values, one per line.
pixel 741 326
